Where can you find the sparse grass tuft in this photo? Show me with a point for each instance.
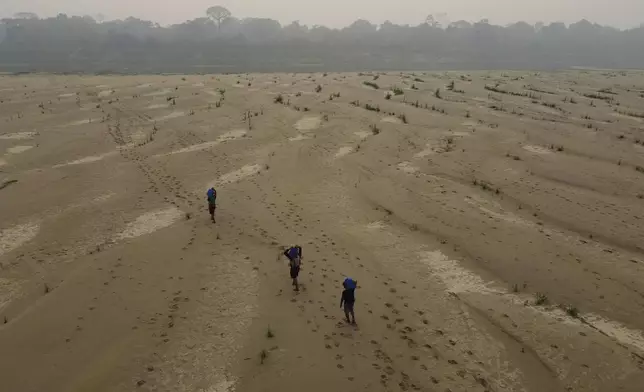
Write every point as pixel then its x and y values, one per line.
pixel 318 88
pixel 279 99
pixel 374 129
pixel 598 96
pixel 269 333
pixel 498 108
pixel 388 96
pixel 403 118
pixel 437 93
pixel 607 90
pixel 371 84
pixel 397 91
pixel 46 288
pixel 541 299
pixel 263 355
pixel 515 288
pixel 372 108
pixel 188 215
pixel 631 114
pixel 572 311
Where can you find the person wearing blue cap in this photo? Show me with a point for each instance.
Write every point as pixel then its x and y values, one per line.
pixel 348 299
pixel 212 199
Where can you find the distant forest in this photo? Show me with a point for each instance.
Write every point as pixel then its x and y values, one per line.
pixel 220 42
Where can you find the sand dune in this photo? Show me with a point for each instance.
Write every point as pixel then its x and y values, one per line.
pixel 496 239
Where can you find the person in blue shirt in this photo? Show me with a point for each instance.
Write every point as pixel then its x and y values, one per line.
pixel 212 199
pixel 294 256
pixel 349 299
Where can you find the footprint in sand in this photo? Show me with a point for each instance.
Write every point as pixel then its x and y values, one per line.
pixel 14 237
pixel 150 222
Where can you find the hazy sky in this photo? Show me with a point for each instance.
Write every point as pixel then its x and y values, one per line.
pixel 338 13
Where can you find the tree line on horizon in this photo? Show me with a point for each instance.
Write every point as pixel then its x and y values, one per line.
pixel 220 42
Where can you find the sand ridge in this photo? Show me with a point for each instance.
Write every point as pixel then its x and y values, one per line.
pixel 150 222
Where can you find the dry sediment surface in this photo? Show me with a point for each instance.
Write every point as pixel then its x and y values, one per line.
pixel 493 221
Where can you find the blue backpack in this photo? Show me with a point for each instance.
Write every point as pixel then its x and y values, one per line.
pixel 293 253
pixel 212 193
pixel 350 283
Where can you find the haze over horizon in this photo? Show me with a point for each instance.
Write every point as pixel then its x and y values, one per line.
pixel 618 13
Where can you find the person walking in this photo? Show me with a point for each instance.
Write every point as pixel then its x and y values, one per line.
pixel 349 299
pixel 294 255
pixel 212 200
